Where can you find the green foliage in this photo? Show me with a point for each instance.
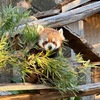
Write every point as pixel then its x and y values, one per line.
pixel 10 17
pixel 4 54
pixel 78 98
pixel 30 36
pixel 52 71
pixel 84 65
pixel 55 71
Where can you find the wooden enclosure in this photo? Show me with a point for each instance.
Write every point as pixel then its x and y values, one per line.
pixel 80 20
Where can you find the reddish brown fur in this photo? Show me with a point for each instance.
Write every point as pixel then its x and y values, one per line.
pixel 51 33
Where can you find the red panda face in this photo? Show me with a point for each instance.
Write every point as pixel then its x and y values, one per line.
pixel 50 39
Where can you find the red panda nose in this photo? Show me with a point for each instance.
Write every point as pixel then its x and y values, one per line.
pixel 50 47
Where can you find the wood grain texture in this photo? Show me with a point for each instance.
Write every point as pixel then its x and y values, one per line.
pixel 80 45
pixel 48 13
pixel 73 4
pixel 65 2
pixel 83 90
pixel 67 17
pixel 22 86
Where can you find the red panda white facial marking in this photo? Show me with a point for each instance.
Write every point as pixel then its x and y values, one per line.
pixel 49 45
pixel 49 38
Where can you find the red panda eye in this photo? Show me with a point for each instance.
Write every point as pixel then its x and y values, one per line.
pixel 45 42
pixel 54 42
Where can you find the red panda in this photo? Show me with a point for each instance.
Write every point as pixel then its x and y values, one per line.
pixel 49 39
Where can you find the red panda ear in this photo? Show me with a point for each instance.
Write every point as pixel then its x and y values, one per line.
pixel 61 34
pixel 40 28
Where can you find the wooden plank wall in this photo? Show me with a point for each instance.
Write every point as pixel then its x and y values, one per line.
pixel 92 35
pixel 92 30
pixel 78 28
pixel 96 74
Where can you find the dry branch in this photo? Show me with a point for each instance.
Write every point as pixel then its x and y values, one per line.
pixel 68 17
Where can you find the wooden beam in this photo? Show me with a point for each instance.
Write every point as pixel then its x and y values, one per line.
pixel 22 86
pixel 30 86
pixel 74 4
pixel 68 17
pixel 80 45
pixel 89 89
pixel 17 97
pixel 83 90
pixel 65 2
pixel 44 14
pixel 96 63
